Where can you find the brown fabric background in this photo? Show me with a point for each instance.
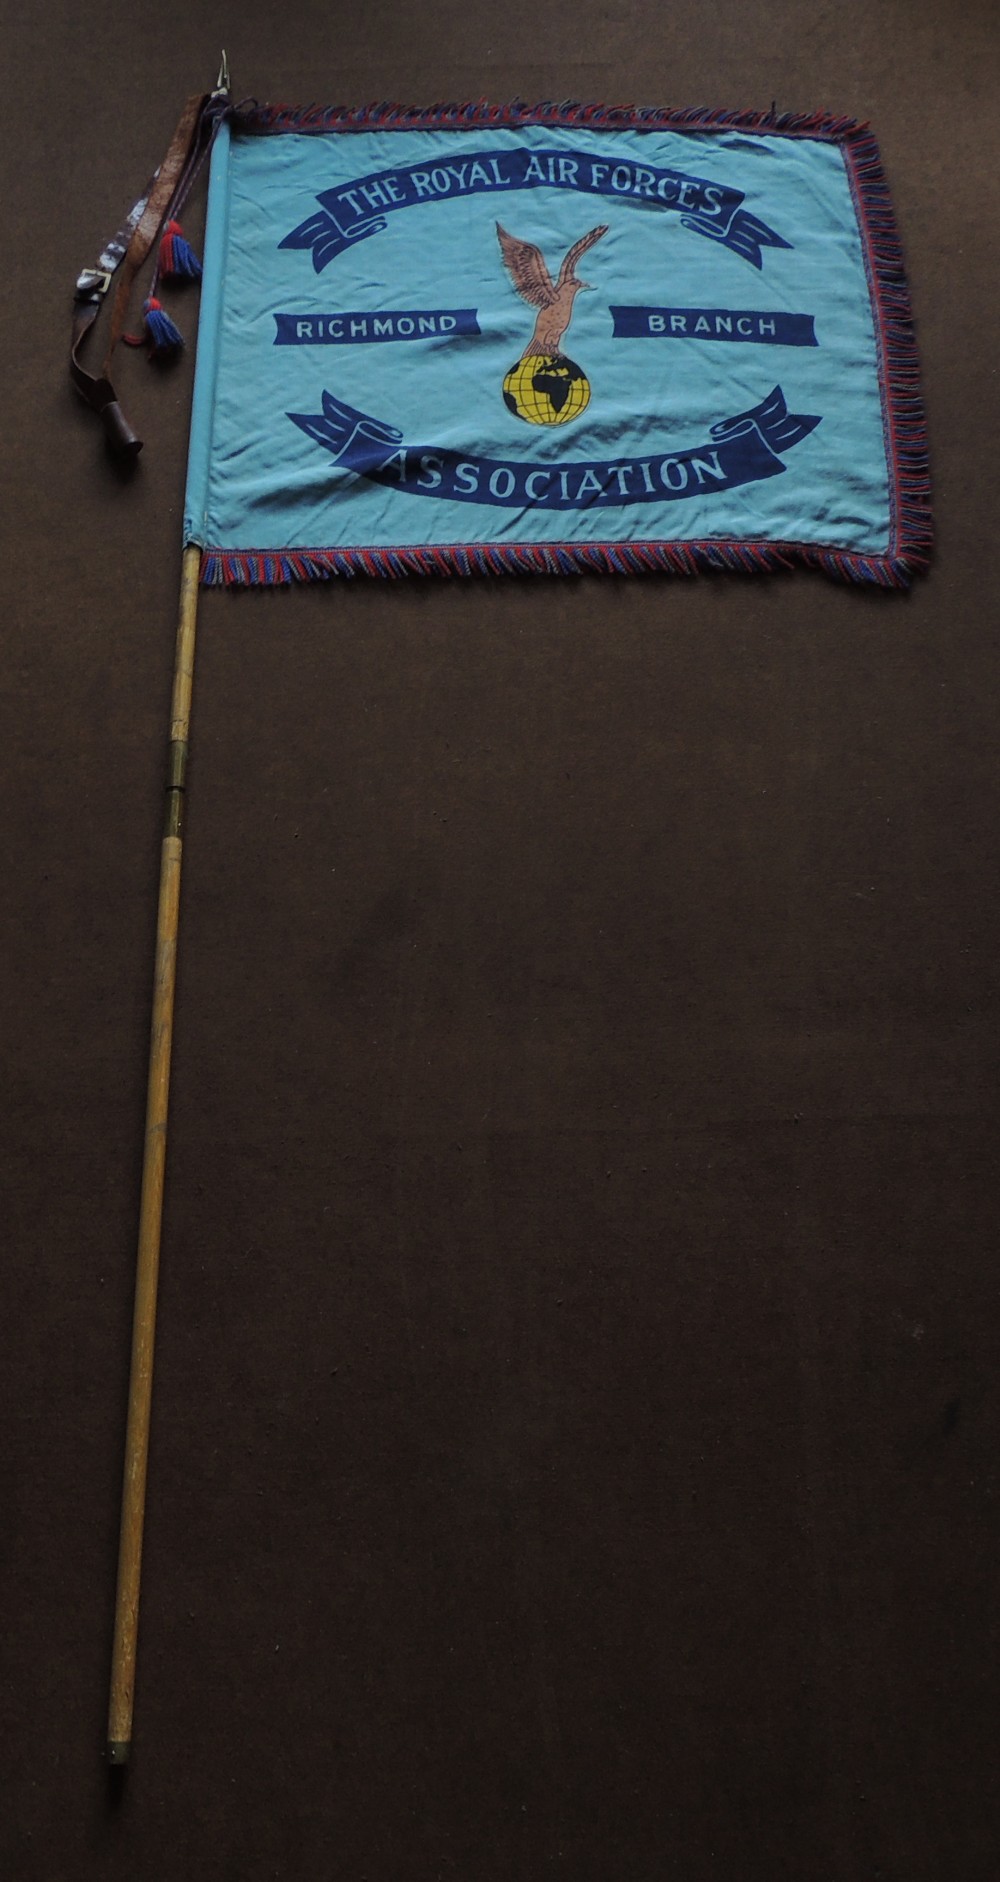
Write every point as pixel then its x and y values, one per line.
pixel 576 1417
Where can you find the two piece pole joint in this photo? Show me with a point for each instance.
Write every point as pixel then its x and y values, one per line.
pixel 173 820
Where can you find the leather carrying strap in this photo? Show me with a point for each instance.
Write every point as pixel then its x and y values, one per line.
pixel 128 250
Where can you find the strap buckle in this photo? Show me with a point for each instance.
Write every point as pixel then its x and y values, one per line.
pixel 93 284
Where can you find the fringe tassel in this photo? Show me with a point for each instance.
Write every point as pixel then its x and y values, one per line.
pixel 177 259
pixel 253 568
pixel 904 424
pixel 164 339
pixel 266 120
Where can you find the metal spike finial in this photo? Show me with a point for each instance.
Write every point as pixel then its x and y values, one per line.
pixel 222 82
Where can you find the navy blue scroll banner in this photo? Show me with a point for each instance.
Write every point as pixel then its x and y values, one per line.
pixel 714 323
pixel 362 328
pixel 353 213
pixel 741 450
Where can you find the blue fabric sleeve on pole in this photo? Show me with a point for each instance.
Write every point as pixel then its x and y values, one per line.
pixel 209 322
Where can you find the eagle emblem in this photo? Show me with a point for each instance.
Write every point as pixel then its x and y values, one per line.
pixel 545 387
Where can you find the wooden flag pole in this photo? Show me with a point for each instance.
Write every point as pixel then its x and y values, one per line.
pixel 151 1204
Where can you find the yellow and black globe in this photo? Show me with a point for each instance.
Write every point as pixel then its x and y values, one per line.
pixel 546 389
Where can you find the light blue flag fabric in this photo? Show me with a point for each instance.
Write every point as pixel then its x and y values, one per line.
pixel 552 340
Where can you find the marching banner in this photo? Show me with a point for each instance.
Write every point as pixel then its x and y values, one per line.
pixel 469 340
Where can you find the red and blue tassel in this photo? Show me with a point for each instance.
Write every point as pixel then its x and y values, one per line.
pixel 164 338
pixel 178 261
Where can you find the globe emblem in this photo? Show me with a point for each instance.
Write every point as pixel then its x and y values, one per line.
pixel 546 389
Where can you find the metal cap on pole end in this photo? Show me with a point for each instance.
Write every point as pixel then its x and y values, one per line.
pixel 119 1750
pixel 222 82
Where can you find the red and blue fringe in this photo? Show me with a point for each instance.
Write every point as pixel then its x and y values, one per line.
pixel 269 120
pixel 244 568
pixel 904 426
